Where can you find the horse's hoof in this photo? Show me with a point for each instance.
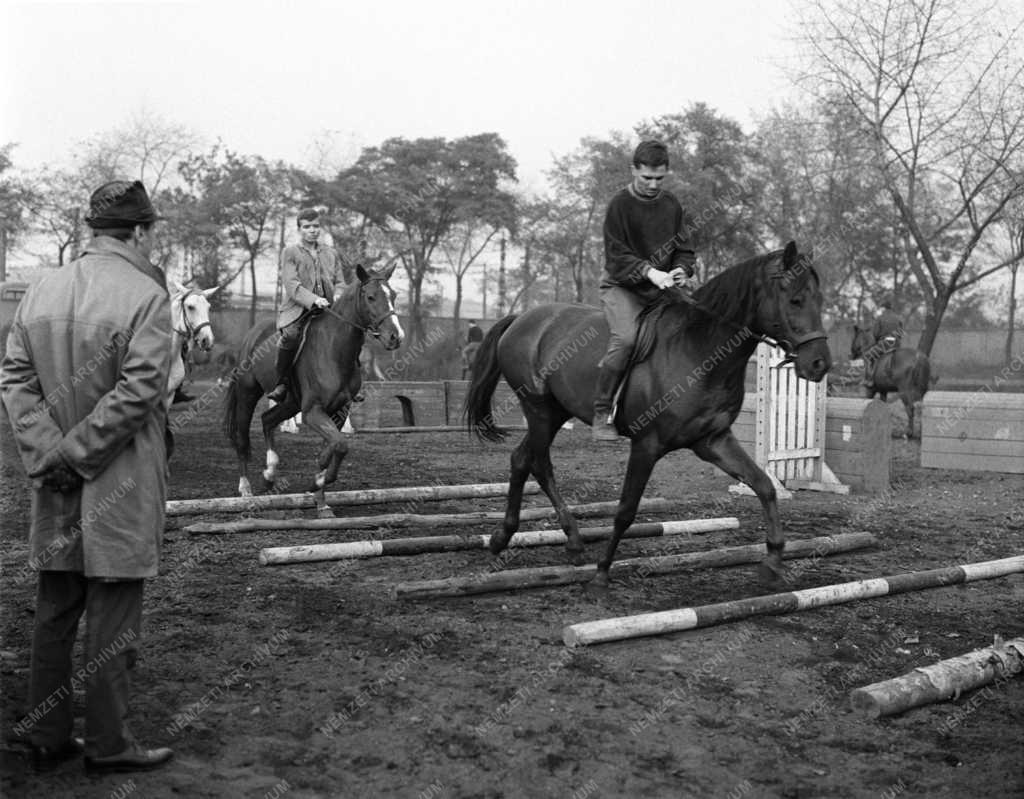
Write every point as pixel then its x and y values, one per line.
pixel 325 512
pixel 497 544
pixel 770 575
pixel 597 589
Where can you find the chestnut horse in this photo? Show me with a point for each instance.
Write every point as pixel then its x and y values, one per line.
pixel 686 392
pixel 325 377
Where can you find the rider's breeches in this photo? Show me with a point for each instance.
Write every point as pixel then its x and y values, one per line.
pixel 621 308
pixel 291 335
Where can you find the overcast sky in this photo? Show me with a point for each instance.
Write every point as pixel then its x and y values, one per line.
pixel 271 78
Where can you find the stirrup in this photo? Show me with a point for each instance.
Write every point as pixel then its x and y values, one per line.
pixel 604 430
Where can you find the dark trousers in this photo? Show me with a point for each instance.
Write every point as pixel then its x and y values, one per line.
pixel 113 626
pixel 622 308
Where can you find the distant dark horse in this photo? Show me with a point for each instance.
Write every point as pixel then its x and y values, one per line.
pixel 686 393
pixel 903 370
pixel 325 377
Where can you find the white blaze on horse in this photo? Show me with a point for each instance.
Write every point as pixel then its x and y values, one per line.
pixel 191 329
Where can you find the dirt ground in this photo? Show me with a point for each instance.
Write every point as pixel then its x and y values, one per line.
pixel 310 681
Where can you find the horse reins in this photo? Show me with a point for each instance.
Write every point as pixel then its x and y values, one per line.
pixel 785 345
pixel 373 329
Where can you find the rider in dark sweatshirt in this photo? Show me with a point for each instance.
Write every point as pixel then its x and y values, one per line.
pixel 647 249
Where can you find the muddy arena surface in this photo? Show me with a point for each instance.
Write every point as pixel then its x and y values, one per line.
pixel 309 681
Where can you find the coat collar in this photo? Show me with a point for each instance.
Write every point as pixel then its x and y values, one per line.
pixel 108 245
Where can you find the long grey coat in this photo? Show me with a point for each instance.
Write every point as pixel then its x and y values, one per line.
pixel 86 371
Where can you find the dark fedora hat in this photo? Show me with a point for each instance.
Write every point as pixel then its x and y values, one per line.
pixel 120 203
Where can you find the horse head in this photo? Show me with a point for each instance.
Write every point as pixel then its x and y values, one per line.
pixel 190 315
pixel 376 306
pixel 791 313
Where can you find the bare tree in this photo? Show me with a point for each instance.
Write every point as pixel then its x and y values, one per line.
pixel 55 204
pixel 939 92
pixel 147 147
pixel 462 246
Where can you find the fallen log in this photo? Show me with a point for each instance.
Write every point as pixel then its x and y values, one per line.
pixel 411 519
pixel 546 576
pixel 940 681
pixel 312 553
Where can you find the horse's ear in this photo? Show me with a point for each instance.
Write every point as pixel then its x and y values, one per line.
pixel 211 291
pixel 180 286
pixel 789 256
pixel 361 273
pixel 389 271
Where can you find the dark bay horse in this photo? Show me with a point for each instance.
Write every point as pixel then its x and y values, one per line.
pixel 904 371
pixel 325 377
pixel 686 393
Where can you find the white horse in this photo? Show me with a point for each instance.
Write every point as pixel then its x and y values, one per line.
pixel 190 324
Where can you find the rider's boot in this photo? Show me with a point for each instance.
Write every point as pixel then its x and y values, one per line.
pixel 603 428
pixel 285 358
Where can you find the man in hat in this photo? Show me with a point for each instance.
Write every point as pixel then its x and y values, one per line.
pixel 84 383
pixel 312 278
pixel 647 250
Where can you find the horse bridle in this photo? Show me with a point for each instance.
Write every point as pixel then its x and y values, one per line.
pixel 787 346
pixel 372 329
pixel 190 333
pixel 790 347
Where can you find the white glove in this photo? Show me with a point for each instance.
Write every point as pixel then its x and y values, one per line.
pixel 321 302
pixel 660 279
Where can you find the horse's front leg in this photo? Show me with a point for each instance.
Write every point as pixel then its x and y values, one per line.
pixel 725 452
pixel 334 451
pixel 643 454
pixel 270 419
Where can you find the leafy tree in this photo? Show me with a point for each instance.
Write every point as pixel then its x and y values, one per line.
pixel 571 230
pixel 417 192
pixel 243 196
pixel 15 198
pixel 816 186
pixel 710 158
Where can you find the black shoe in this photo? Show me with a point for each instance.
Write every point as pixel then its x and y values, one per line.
pixel 181 396
pixel 133 758
pixel 278 393
pixel 359 397
pixel 46 758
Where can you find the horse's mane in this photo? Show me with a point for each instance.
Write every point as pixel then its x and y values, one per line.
pixel 730 294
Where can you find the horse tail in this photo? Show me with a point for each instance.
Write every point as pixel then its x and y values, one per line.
pixel 239 438
pixel 921 374
pixel 484 376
